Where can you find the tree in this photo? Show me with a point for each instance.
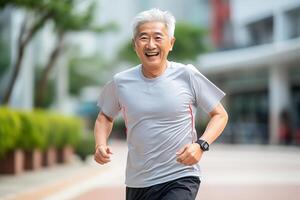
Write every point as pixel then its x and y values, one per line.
pixel 88 71
pixel 67 21
pixel 189 42
pixel 4 57
pixel 65 18
pixel 188 45
pixel 43 10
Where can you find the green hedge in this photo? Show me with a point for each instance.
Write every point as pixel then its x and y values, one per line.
pixel 37 129
pixel 64 131
pixel 86 146
pixel 43 128
pixel 31 135
pixel 10 129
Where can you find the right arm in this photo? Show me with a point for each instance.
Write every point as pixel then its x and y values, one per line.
pixel 103 127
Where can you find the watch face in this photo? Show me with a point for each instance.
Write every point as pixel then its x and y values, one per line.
pixel 205 145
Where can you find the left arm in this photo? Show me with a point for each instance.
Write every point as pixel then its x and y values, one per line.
pixel 191 154
pixel 216 124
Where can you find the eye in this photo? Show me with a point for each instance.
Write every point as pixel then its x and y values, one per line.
pixel 143 38
pixel 158 38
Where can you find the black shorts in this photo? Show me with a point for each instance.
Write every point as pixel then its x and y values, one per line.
pixel 185 188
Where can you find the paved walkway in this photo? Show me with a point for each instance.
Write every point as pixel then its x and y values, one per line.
pixel 230 172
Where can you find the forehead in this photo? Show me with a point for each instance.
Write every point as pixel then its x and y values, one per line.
pixel 152 28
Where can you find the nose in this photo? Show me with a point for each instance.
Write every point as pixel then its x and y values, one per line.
pixel 151 43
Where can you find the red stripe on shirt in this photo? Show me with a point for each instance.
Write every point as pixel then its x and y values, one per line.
pixel 125 118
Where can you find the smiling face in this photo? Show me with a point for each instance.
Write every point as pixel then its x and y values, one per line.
pixel 153 44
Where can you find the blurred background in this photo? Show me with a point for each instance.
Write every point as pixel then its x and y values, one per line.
pixel 55 56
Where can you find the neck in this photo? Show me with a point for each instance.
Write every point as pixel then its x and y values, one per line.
pixel 153 72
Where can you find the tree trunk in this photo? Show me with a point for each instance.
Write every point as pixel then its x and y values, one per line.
pixel 21 50
pixel 43 81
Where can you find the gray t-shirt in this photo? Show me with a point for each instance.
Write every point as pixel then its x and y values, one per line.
pixel 159 115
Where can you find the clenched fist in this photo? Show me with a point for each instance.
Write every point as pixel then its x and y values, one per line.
pixel 189 154
pixel 102 154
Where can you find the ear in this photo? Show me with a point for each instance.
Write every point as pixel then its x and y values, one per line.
pixel 172 43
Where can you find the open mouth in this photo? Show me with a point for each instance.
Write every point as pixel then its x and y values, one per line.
pixel 151 54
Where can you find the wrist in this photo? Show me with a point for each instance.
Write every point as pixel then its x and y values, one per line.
pixel 204 146
pixel 98 145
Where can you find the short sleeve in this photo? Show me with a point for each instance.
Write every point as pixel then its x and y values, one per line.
pixel 206 94
pixel 108 101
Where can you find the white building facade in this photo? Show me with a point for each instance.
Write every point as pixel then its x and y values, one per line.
pixel 261 72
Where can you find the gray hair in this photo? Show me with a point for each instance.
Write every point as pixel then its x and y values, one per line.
pixel 154 15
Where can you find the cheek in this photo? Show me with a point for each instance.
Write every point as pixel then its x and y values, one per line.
pixel 137 49
pixel 140 53
pixel 166 48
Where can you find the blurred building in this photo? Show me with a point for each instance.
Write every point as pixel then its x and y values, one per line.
pixel 257 63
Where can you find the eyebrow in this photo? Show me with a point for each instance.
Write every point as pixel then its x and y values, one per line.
pixel 142 34
pixel 155 33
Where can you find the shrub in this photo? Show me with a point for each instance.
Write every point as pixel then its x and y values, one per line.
pixel 86 146
pixel 37 129
pixel 73 131
pixel 10 129
pixel 64 130
pixel 31 132
pixel 43 127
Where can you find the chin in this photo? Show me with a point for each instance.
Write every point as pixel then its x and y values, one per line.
pixel 153 64
pixel 157 61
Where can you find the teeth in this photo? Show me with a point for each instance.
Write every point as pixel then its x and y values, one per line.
pixel 152 53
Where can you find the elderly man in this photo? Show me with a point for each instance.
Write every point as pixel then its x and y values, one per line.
pixel 158 100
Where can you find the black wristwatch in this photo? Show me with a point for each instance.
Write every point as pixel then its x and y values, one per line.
pixel 203 144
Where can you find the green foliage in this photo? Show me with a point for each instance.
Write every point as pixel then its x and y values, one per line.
pixel 63 13
pixel 10 130
pixel 42 126
pixel 22 3
pixel 73 131
pixel 64 130
pixel 188 45
pixel 189 42
pixel 86 146
pixel 31 137
pixel 127 53
pixel 67 19
pixel 87 71
pixel 55 130
pixel 38 129
pixel 79 80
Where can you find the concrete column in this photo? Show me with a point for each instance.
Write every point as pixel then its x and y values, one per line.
pixel 61 84
pixel 279 99
pixel 279 86
pixel 281 24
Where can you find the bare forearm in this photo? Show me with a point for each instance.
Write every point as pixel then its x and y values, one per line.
pixel 103 127
pixel 215 125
